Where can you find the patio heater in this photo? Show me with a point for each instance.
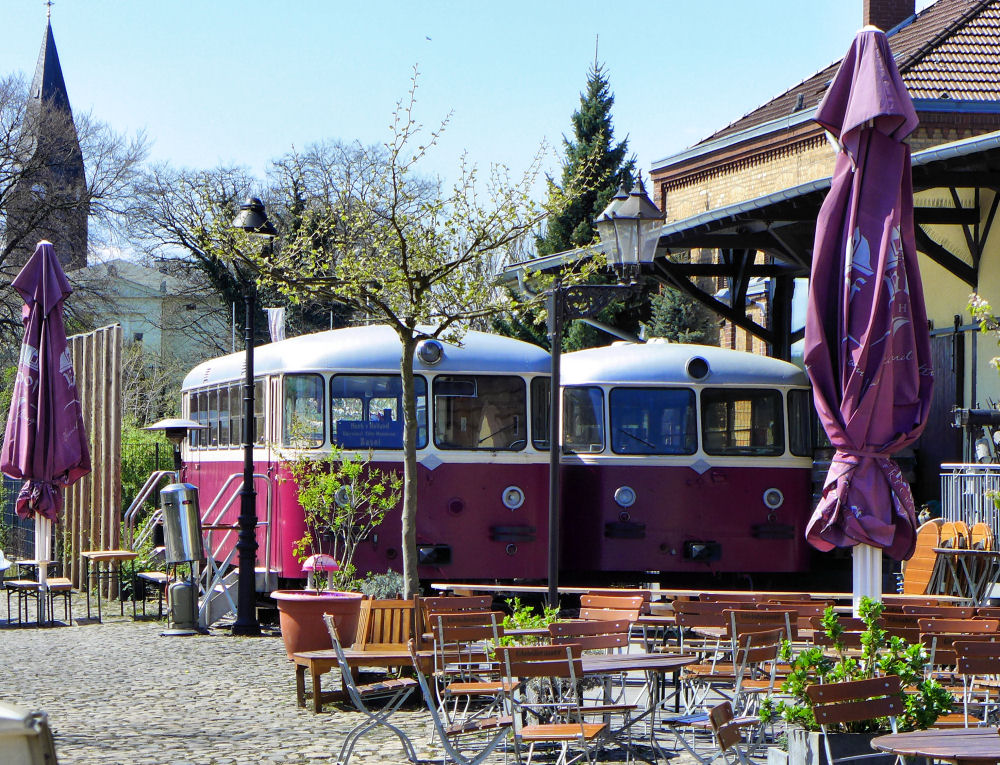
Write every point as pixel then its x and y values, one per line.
pixel 629 231
pixel 176 430
pixel 252 219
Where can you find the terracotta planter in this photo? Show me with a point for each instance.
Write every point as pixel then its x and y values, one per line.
pixel 301 618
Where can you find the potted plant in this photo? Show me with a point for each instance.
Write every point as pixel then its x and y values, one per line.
pixel 343 499
pixel 881 654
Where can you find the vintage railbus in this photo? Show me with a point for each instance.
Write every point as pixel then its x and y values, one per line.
pixel 684 458
pixel 482 445
pixel 676 458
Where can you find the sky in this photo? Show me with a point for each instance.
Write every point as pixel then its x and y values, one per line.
pixel 240 82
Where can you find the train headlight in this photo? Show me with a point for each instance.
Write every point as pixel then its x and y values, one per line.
pixel 430 352
pixel 773 499
pixel 625 496
pixel 512 497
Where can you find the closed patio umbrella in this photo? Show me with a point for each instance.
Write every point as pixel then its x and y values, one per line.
pixel 45 442
pixel 867 346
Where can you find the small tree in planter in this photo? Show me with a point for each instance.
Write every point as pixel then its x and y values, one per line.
pixel 881 654
pixel 343 499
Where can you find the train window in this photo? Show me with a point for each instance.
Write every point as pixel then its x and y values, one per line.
pixel 540 406
pixel 224 416
pixel 800 422
pixel 203 418
pixel 737 421
pixel 259 433
pixel 213 418
pixel 366 411
pixel 480 412
pixel 236 415
pixel 583 420
pixel 192 412
pixel 303 412
pixel 653 421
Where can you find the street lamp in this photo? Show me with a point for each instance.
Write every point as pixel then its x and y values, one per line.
pixel 628 228
pixel 252 219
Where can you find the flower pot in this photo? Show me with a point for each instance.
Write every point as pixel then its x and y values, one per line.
pixel 301 618
pixel 806 748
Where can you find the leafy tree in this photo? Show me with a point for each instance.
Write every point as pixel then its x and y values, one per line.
pixel 419 256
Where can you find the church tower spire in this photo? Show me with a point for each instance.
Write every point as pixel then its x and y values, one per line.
pixel 50 200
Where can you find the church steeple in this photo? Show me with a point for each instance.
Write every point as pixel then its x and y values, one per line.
pixel 50 201
pixel 48 85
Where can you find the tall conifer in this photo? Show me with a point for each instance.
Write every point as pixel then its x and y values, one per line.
pixel 592 142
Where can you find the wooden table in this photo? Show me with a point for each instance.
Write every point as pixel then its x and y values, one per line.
pixel 318 663
pixel 963 746
pixel 110 557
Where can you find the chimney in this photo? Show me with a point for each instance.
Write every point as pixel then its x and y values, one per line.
pixel 885 14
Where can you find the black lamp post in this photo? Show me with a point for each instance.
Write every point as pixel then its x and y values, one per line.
pixel 628 228
pixel 252 219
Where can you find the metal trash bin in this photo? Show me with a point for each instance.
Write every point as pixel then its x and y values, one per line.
pixel 181 523
pixel 25 737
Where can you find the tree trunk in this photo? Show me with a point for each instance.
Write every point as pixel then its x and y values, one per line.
pixel 409 515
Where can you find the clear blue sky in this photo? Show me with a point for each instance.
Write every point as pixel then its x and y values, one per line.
pixel 228 81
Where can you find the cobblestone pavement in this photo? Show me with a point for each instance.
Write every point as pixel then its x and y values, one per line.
pixel 119 692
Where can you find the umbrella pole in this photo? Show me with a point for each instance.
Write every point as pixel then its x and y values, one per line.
pixel 867 574
pixel 43 553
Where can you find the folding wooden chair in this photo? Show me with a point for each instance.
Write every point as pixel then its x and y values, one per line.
pixel 467 682
pixel 485 733
pixel 940 612
pixel 453 604
pixel 557 669
pixel 726 730
pixel 978 663
pixel 610 608
pixel 390 693
pixel 606 637
pixel 851 701
pixel 981 536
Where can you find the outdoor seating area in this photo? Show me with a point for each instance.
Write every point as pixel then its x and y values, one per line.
pixel 583 688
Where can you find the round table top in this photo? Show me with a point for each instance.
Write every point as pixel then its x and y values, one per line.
pixel 957 745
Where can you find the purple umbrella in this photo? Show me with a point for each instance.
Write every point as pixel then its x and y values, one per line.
pixel 867 347
pixel 45 442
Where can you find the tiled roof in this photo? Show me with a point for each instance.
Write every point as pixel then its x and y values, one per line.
pixel 952 46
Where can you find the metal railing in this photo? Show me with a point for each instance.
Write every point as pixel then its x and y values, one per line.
pixel 132 513
pixel 967 492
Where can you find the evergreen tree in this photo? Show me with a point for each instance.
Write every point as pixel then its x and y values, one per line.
pixel 677 317
pixel 591 152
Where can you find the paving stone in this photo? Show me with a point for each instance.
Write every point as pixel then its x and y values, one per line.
pixel 118 692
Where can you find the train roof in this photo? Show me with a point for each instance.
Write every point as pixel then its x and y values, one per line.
pixel 662 362
pixel 373 348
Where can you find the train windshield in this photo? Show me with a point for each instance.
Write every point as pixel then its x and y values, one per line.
pixel 487 412
pixel 742 422
pixel 303 415
pixel 653 421
pixel 366 411
pixel 583 419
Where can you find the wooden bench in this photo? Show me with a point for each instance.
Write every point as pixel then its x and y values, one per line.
pixel 384 629
pixel 318 663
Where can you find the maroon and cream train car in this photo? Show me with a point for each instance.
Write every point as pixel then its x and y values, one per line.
pixel 482 445
pixel 684 458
